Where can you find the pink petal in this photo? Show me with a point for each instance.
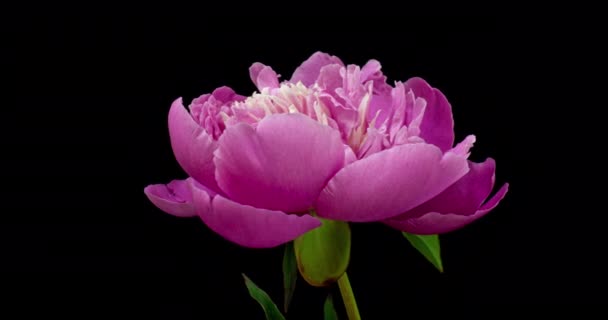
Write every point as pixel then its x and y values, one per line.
pixel 465 145
pixel 308 71
pixel 371 71
pixel 226 95
pixel 263 76
pixel 345 117
pixel 463 197
pixel 437 223
pixel 349 155
pixel 374 142
pixel 283 164
pixel 329 77
pixel 380 108
pixel 437 126
pixel 207 110
pixel 248 226
pixel 389 183
pixel 173 198
pixel 254 71
pixel 192 146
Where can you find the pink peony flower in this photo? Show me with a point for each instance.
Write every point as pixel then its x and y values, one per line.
pixel 335 139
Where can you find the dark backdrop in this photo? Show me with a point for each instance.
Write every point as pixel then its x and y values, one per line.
pixel 87 132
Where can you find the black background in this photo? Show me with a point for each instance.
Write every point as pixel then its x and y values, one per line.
pixel 87 132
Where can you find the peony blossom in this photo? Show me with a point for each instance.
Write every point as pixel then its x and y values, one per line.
pixel 335 141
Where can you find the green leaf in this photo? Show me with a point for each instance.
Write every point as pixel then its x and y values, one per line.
pixel 428 245
pixel 290 274
pixel 328 309
pixel 270 309
pixel 323 253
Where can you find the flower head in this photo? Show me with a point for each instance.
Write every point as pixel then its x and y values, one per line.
pixel 334 138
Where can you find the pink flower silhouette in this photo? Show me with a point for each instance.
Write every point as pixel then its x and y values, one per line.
pixel 335 139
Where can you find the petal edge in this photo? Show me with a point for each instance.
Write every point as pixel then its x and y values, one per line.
pixel 173 198
pixel 192 146
pixel 248 226
pixel 389 183
pixel 437 223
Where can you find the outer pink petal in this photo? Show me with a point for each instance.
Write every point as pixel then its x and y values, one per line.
pixel 248 226
pixel 437 126
pixel 389 183
pixel 309 70
pixel 263 76
pixel 463 197
pixel 192 146
pixel 173 198
pixel 283 164
pixel 437 223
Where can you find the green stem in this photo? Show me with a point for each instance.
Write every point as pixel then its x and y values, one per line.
pixel 349 298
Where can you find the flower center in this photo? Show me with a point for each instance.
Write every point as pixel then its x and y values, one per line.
pixel 288 98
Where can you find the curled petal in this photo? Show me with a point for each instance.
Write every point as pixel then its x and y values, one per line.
pixel 463 197
pixel 437 223
pixel 173 198
pixel 437 126
pixel 249 226
pixel 255 70
pixel 371 71
pixel 329 78
pixel 192 146
pixel 464 146
pixel 389 183
pixel 263 76
pixel 309 70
